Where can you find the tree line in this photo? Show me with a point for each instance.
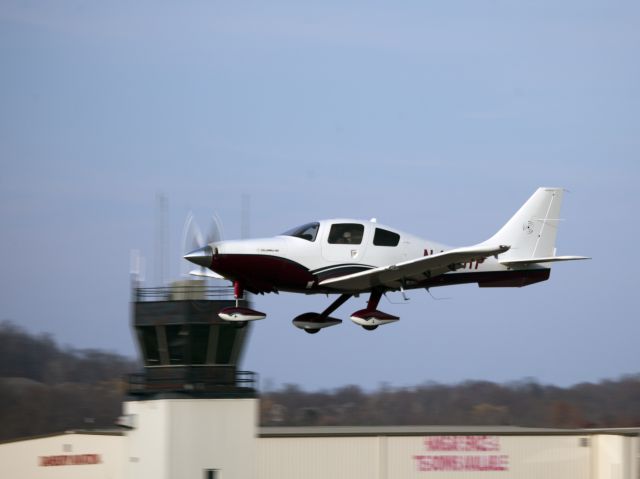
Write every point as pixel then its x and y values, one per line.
pixel 45 388
pixel 611 403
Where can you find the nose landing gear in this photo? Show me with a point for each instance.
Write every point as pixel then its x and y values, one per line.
pixel 238 315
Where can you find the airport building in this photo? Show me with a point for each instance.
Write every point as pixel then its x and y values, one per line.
pixel 193 414
pixel 213 446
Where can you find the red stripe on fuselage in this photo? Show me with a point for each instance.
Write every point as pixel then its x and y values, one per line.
pixel 262 273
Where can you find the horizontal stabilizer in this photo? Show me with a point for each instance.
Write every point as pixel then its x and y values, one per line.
pixel 547 259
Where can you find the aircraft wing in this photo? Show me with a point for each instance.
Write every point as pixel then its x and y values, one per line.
pixel 419 269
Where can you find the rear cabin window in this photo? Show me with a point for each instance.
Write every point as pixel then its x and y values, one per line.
pixel 385 238
pixel 346 233
pixel 306 232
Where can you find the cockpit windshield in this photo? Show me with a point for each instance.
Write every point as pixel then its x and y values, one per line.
pixel 306 232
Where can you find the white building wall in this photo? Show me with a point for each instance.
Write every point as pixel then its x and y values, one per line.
pixel 181 438
pixel 147 444
pixel 615 457
pixel 318 458
pixel 65 456
pixel 178 439
pixel 407 457
pixel 213 434
pixel 524 457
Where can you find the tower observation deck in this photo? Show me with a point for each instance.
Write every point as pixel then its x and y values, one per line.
pixel 186 349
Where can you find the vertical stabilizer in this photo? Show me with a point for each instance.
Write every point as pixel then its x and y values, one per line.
pixel 532 231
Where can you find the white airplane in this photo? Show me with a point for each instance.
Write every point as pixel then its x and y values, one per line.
pixel 350 257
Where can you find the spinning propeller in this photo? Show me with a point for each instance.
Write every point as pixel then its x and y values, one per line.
pixel 200 252
pixel 196 245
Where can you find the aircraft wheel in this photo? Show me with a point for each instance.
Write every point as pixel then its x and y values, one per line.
pixel 240 324
pixel 370 328
pixel 311 331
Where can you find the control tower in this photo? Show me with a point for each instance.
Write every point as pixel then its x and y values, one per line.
pixel 190 408
pixel 187 350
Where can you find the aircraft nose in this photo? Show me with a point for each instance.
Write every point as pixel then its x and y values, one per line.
pixel 201 256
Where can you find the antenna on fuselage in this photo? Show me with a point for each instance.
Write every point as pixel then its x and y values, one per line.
pixel 436 299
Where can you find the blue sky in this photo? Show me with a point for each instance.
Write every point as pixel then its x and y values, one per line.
pixel 438 118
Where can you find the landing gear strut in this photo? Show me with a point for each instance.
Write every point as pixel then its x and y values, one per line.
pixel 238 315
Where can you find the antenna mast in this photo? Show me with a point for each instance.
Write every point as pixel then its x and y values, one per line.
pixel 162 239
pixel 245 216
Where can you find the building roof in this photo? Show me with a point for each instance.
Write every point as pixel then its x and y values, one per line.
pixel 368 431
pixel 86 432
pixel 350 431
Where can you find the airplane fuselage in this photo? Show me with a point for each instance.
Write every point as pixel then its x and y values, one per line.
pixel 301 259
pixel 348 257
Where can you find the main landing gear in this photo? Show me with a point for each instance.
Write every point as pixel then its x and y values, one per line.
pixel 369 318
pixel 238 315
pixel 313 322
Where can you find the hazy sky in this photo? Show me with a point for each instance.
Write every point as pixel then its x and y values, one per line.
pixel 438 118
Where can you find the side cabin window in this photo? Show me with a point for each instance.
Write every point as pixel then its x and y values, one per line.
pixel 346 233
pixel 306 232
pixel 385 238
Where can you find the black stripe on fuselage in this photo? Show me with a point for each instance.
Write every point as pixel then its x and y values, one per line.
pixel 337 270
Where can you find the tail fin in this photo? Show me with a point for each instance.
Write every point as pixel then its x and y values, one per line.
pixel 532 231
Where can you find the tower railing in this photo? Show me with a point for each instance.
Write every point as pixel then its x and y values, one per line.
pixel 167 293
pixel 192 379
